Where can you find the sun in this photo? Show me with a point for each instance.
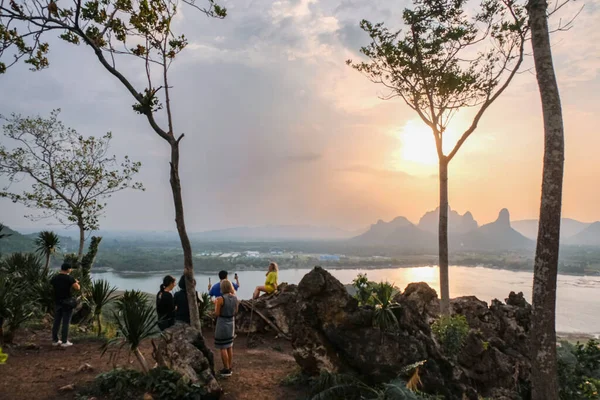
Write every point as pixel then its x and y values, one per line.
pixel 418 145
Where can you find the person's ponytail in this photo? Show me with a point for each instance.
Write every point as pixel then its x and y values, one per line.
pixel 162 287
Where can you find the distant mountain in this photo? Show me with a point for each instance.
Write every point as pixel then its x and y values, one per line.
pixel 590 236
pixel 18 242
pixel 568 227
pixel 456 223
pixel 498 235
pixel 400 233
pixel 274 233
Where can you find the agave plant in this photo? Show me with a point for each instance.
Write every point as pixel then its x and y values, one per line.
pixel 99 295
pixel 136 320
pixel 47 244
pixel 26 266
pixel 16 306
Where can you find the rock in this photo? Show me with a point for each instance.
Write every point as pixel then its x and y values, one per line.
pixel 329 331
pixel 277 308
pixel 85 368
pixel 182 349
pixel 67 388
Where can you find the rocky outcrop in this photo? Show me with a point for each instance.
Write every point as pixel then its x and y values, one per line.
pixel 330 331
pixel 182 349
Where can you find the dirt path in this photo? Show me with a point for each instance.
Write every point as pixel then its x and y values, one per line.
pixel 35 370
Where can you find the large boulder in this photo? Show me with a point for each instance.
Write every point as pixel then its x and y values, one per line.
pixel 330 331
pixel 183 349
pixel 268 313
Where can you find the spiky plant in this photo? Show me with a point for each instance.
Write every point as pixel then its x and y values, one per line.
pixel 26 266
pixel 16 306
pixel 98 296
pixel 47 243
pixel 383 316
pixel 136 320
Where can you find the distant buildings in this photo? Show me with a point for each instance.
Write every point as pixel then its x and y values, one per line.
pixel 329 257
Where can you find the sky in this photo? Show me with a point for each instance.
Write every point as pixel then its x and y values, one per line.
pixel 279 130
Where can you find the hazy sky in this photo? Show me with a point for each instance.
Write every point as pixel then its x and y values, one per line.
pixel 280 131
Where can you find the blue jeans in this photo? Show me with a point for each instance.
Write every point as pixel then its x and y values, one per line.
pixel 61 314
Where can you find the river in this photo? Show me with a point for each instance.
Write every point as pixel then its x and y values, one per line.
pixel 578 304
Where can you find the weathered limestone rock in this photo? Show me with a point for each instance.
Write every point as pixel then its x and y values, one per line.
pixel 182 349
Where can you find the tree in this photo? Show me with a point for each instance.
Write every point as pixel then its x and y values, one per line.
pixel 72 175
pixel 440 65
pixel 142 29
pixel 47 243
pixel 544 378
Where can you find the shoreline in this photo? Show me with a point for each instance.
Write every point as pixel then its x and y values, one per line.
pixel 332 267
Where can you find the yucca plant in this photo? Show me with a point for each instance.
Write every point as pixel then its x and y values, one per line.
pixel 16 306
pixel 47 243
pixel 99 295
pixel 383 316
pixel 23 265
pixel 136 320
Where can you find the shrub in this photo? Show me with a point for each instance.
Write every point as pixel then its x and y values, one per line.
pixel 126 384
pixel 363 289
pixel 451 332
pixel 579 371
pixel 100 295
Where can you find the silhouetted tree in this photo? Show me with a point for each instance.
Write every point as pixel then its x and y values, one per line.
pixel 72 175
pixel 142 29
pixel 441 64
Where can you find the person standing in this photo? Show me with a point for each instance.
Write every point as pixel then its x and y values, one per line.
pixel 226 308
pixel 64 303
pixel 270 283
pixel 182 307
pixel 215 290
pixel 165 303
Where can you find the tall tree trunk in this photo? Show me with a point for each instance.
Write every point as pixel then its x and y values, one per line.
pixel 544 381
pixel 188 265
pixel 81 240
pixel 47 266
pixel 443 238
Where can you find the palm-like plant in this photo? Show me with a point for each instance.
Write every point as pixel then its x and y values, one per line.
pixel 99 295
pixel 136 320
pixel 383 316
pixel 16 306
pixel 47 243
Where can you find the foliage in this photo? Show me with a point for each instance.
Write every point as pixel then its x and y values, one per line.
pixel 162 383
pixel 83 271
pixel 363 289
pixel 330 386
pixel 99 295
pixel 3 357
pixel 383 298
pixel 16 306
pixel 579 370
pixel 205 306
pixel 72 175
pixel 136 320
pixel 451 331
pixel 47 244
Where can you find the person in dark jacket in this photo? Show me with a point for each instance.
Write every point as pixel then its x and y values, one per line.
pixel 182 312
pixel 165 303
pixel 62 283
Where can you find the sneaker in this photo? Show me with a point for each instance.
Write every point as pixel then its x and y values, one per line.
pixel 66 344
pixel 56 343
pixel 225 372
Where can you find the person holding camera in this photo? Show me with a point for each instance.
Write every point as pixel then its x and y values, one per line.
pixel 215 290
pixel 62 283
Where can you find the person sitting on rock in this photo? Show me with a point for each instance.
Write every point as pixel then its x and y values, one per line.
pixel 226 308
pixel 165 303
pixel 215 290
pixel 182 311
pixel 270 283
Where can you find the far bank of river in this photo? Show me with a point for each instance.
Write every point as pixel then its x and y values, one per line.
pixel 578 304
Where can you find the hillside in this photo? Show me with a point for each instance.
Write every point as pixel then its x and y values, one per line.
pixel 399 232
pixel 456 223
pixel 590 236
pixel 498 235
pixel 273 233
pixel 568 228
pixel 17 242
